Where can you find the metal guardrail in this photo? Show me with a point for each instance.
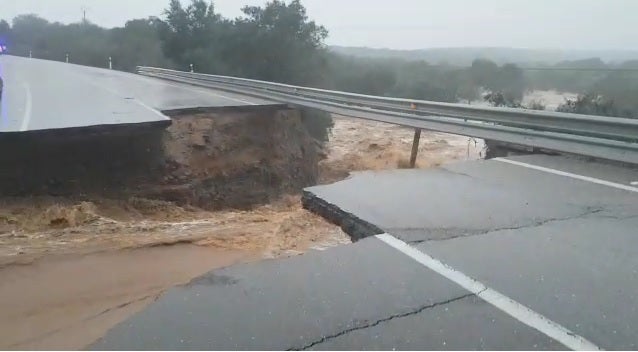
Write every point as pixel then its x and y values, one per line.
pixel 598 136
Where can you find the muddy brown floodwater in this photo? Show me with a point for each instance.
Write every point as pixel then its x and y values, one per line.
pixel 68 302
pixel 70 270
pixel 357 145
pixel 73 267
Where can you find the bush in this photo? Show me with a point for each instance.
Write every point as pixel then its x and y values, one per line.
pixel 535 105
pixel 318 123
pixel 498 99
pixel 592 104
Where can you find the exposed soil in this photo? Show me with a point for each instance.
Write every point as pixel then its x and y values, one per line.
pixel 236 160
pixel 213 160
pixel 217 189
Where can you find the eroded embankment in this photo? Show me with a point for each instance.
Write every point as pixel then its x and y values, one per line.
pixel 146 190
pixel 208 159
pixel 108 218
pixel 219 179
pixel 236 160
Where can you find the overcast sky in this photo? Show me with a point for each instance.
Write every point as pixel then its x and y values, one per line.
pixel 407 24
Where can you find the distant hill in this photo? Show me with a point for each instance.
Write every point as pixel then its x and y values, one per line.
pixel 465 56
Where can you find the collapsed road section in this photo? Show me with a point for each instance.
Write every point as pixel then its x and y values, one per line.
pixel 69 240
pixel 229 158
pixel 109 185
pixel 206 192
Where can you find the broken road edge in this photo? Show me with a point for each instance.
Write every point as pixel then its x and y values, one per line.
pixel 352 225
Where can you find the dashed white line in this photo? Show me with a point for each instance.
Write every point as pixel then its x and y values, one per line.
pixel 569 174
pixel 498 300
pixel 26 117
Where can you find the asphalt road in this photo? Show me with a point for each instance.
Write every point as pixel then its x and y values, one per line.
pixel 41 95
pixel 533 252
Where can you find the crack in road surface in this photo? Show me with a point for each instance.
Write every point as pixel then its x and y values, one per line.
pixel 377 322
pixel 538 223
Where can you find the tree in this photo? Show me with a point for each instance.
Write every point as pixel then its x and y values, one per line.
pixel 590 104
pixel 507 80
pixel 189 35
pixel 279 42
pixel 5 28
pixel 511 82
pixel 622 88
pixel 29 32
pixel 499 99
pixel 137 44
pixel 484 73
pixel 467 90
pixel 535 105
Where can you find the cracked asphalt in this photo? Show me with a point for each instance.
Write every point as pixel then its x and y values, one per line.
pixel 564 248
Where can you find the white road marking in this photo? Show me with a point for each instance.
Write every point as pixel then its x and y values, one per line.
pixel 187 86
pixel 155 111
pixel 498 300
pixel 207 91
pixel 568 174
pixel 26 118
pixel 135 100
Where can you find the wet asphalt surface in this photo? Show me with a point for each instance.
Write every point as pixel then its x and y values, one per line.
pixel 42 95
pixel 364 295
pixel 563 247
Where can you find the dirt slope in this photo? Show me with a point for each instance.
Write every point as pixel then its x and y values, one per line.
pixel 236 160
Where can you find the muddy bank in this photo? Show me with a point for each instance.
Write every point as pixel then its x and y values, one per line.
pixel 225 159
pixel 236 160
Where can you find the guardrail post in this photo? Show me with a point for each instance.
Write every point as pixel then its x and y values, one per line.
pixel 30 54
pixel 110 63
pixel 192 69
pixel 415 147
pixel 67 58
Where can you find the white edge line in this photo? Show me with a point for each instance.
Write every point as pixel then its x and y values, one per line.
pixel 208 91
pixel 195 88
pixel 157 112
pixel 26 118
pixel 498 300
pixel 135 100
pixel 568 174
pixel 139 102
